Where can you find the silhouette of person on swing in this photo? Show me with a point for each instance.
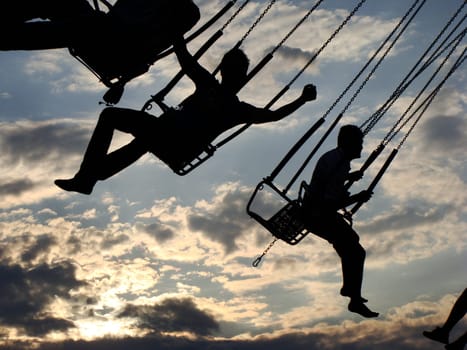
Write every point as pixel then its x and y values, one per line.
pixel 178 134
pixel 49 24
pixel 117 45
pixel 441 334
pixel 324 197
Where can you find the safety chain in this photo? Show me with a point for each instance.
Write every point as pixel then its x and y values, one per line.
pixel 257 261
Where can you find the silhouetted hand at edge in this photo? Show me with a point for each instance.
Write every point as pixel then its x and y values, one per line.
pixel 355 176
pixel 309 92
pixel 364 196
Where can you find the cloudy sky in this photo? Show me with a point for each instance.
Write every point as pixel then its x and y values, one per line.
pixel 155 260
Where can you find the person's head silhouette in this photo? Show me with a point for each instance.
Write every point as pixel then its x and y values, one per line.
pixel 234 68
pixel 350 140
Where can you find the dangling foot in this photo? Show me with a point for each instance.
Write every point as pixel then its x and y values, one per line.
pixel 437 334
pixel 76 184
pixel 344 293
pixel 360 308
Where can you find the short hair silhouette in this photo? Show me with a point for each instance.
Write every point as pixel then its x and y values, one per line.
pixel 349 134
pixel 234 62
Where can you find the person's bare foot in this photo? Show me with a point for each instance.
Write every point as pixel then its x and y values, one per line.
pixel 75 184
pixel 361 309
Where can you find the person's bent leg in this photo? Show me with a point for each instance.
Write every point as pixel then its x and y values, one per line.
pixel 97 164
pixel 457 312
pixel 121 158
pixel 441 334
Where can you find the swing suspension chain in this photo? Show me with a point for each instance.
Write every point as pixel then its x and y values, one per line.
pixel 257 261
pixel 357 76
pixel 338 29
pixel 297 25
pixel 426 103
pixel 260 17
pixel 398 92
pixel 234 15
pixel 389 48
pixel 396 128
pixel 371 122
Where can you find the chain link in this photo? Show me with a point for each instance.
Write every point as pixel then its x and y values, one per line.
pixel 338 29
pixel 234 15
pixel 266 10
pixel 257 261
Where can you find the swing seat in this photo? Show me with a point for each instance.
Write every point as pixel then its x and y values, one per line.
pixel 287 224
pixel 182 163
pixel 134 33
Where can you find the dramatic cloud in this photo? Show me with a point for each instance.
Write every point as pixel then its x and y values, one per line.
pixel 41 142
pixel 172 315
pixel 400 330
pixel 159 232
pixel 224 222
pixel 16 187
pixel 26 295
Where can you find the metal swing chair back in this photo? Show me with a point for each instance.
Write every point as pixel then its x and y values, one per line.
pixel 289 222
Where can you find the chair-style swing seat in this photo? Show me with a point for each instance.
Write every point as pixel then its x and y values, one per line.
pixel 288 223
pixel 183 164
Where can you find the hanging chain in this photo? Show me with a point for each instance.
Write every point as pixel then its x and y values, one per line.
pixel 234 15
pixel 426 103
pixel 338 29
pixel 373 122
pixel 406 82
pixel 266 10
pixel 296 26
pixel 257 261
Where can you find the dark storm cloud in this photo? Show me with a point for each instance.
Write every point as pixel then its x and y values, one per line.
pixel 25 295
pixel 172 315
pixel 445 133
pixel 226 224
pixel 110 241
pixel 42 245
pixel 408 338
pixel 159 232
pixel 15 187
pixel 37 142
pixel 406 218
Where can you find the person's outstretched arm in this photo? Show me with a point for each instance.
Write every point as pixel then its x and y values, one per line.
pixel 190 66
pixel 264 115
